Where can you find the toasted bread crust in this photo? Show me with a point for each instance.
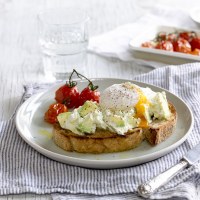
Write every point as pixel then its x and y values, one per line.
pixel 161 130
pixel 104 141
pixel 109 142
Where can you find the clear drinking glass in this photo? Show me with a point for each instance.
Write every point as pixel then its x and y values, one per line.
pixel 63 38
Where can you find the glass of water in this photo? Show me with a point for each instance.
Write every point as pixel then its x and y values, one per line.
pixel 63 38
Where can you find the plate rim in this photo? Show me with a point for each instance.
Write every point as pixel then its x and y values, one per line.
pixel 156 154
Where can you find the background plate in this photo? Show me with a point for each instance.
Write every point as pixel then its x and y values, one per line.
pixel 37 133
pixel 157 54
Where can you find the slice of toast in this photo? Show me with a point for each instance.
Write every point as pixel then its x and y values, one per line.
pixel 104 141
pixel 159 131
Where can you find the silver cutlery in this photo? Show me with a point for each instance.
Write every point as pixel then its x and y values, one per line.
pixel 151 186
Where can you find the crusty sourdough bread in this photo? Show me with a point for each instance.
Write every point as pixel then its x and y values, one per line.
pixel 99 142
pixel 159 131
pixel 104 141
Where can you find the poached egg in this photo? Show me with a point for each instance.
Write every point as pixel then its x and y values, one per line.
pixel 126 96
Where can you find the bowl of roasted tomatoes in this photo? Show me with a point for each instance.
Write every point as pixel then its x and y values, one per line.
pixel 169 41
pixel 179 41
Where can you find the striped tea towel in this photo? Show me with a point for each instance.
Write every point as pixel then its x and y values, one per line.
pixel 23 169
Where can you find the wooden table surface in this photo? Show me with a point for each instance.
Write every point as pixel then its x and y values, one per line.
pixel 20 58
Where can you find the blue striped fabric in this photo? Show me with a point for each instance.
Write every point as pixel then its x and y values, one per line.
pixel 22 169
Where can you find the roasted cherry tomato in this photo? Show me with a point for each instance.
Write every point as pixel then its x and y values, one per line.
pixel 161 36
pixel 171 37
pixel 148 44
pixel 187 35
pixel 182 45
pixel 53 111
pixel 89 93
pixel 165 45
pixel 195 52
pixel 68 94
pixel 195 43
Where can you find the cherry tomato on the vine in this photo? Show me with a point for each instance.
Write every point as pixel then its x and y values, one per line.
pixel 53 111
pixel 90 94
pixel 68 95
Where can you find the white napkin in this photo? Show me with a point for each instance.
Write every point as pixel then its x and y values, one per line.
pixel 116 42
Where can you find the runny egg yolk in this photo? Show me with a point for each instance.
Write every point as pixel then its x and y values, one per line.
pixel 140 109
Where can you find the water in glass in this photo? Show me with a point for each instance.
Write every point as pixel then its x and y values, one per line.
pixel 63 46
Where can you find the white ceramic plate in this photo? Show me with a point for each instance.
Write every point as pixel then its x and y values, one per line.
pixel 157 54
pixel 37 133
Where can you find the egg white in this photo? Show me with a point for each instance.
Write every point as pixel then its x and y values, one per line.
pixel 119 97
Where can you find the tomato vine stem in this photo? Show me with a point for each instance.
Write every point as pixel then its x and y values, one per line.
pixel 74 83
